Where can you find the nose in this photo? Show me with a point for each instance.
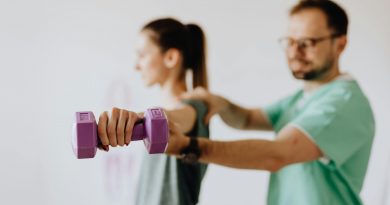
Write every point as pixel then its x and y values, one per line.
pixel 137 67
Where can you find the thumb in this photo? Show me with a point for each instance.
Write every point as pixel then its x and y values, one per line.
pixel 172 127
pixel 208 118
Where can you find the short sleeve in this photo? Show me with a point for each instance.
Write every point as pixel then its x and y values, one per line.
pixel 200 128
pixel 275 111
pixel 339 123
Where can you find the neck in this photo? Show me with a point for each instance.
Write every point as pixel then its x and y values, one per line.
pixel 311 85
pixel 171 91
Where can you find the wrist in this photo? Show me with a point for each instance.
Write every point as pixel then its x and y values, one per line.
pixel 191 153
pixel 183 144
pixel 178 146
pixel 204 147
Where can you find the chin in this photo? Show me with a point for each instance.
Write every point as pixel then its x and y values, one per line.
pixel 149 83
pixel 300 74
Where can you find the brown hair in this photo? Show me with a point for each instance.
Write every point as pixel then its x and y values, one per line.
pixel 188 39
pixel 336 16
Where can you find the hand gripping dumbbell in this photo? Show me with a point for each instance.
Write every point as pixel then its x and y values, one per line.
pixel 153 130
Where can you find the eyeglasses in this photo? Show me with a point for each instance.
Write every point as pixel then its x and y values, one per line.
pixel 304 43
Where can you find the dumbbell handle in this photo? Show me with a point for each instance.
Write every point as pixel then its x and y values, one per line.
pixel 138 131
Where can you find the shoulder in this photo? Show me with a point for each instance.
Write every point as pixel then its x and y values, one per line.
pixel 344 92
pixel 199 105
pixel 343 101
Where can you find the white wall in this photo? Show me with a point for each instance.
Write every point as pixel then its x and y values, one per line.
pixel 58 57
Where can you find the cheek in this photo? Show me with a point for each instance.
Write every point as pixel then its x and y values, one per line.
pixel 151 68
pixel 322 53
pixel 316 57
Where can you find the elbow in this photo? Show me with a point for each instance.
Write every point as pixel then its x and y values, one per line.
pixel 275 164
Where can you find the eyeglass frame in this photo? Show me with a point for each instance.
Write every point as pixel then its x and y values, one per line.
pixel 300 42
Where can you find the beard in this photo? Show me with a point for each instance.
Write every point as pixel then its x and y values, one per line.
pixel 315 72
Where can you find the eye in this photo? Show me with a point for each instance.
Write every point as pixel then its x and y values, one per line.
pixel 286 42
pixel 309 42
pixel 305 43
pixel 290 42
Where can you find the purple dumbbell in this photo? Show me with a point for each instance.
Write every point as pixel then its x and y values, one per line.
pixel 153 131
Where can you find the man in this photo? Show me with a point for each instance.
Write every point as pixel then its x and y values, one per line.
pixel 324 131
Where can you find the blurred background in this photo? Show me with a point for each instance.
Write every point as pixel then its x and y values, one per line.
pixel 58 57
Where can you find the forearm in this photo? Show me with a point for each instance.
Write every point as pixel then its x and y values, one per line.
pixel 243 154
pixel 243 118
pixel 232 114
pixel 291 145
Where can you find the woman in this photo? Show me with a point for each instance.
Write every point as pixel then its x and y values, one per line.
pixel 167 51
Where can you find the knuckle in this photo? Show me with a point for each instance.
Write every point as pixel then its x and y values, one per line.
pixel 103 115
pixel 123 112
pixel 115 110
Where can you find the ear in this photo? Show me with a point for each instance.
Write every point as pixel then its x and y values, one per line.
pixel 171 57
pixel 342 43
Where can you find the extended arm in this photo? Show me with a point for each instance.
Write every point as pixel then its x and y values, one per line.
pixel 116 128
pixel 291 146
pixel 243 118
pixel 232 114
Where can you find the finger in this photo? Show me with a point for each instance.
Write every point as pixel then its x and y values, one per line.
pixel 112 124
pixel 103 147
pixel 210 113
pixel 121 125
pixel 102 128
pixel 132 119
pixel 195 94
pixel 171 125
pixel 185 96
pixel 200 91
